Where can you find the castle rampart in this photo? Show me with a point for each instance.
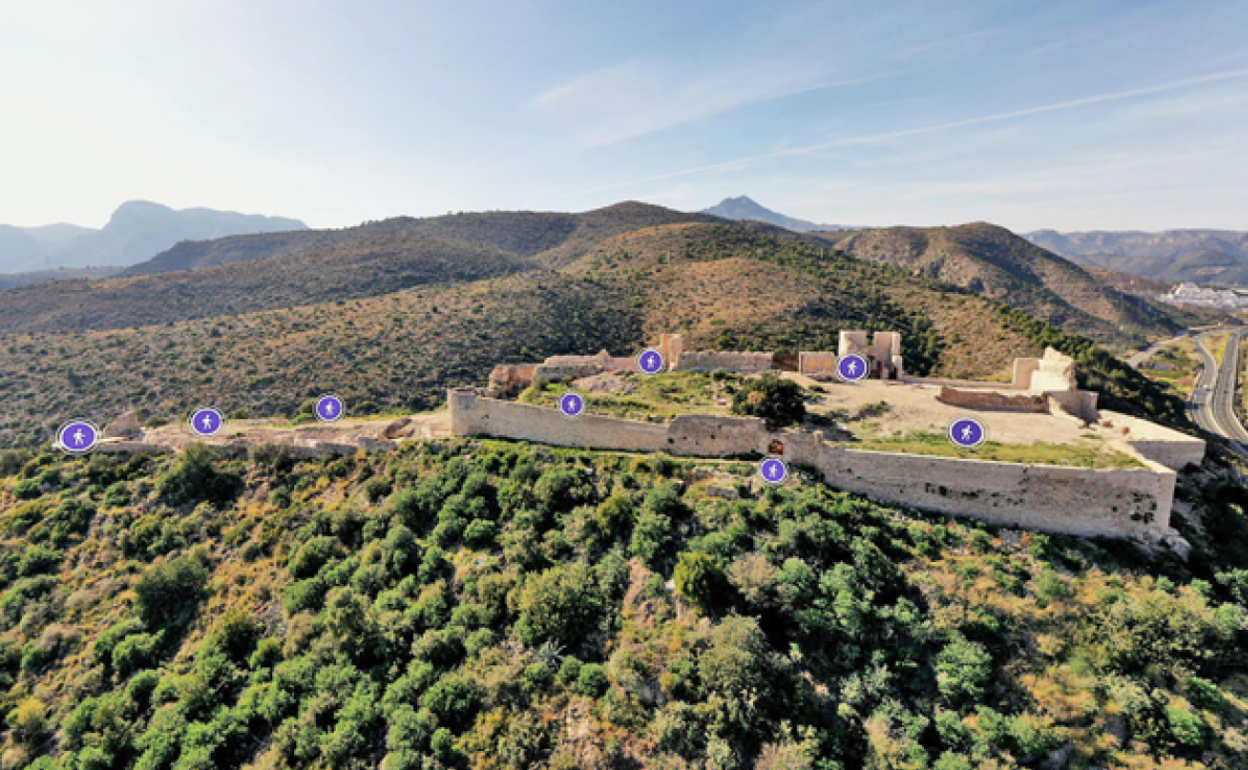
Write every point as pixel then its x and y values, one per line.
pixel 1081 501
pixel 712 360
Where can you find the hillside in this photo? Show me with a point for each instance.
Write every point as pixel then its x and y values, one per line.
pixel 487 605
pixel 10 280
pixel 1203 256
pixel 358 268
pixel 250 273
pixel 136 231
pixel 992 261
pixel 715 283
pixel 556 237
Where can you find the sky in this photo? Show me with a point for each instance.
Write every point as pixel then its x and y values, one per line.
pixel 1067 115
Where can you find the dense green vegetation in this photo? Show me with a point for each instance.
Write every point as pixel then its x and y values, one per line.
pixel 778 401
pixel 489 605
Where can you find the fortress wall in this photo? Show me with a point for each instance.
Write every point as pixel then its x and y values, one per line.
pixel 1077 501
pixel 1158 443
pixel 1080 501
pixel 557 372
pixel 472 415
pixel 994 401
pixel 710 360
pixel 934 381
pixel 699 435
pixel 1080 403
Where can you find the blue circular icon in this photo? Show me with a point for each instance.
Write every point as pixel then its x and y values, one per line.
pixel 206 422
pixel 773 470
pixel 967 432
pixel 77 437
pixel 572 404
pixel 328 408
pixel 851 367
pixel 650 361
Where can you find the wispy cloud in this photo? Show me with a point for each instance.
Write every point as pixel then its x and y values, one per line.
pixel 1071 104
pixel 638 97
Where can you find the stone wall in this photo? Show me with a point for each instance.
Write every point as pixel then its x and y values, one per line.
pixel 1078 501
pixel 992 400
pixel 818 365
pixel 712 360
pixel 1081 501
pixel 1080 403
pixel 704 435
pixel 474 415
pixel 1156 442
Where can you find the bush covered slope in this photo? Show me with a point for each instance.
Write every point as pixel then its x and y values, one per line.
pixel 488 605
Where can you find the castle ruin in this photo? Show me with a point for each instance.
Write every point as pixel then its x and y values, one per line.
pixel 1083 501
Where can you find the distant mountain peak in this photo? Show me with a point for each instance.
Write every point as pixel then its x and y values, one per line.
pixel 136 231
pixel 744 207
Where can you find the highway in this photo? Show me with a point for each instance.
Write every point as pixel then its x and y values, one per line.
pixel 1213 398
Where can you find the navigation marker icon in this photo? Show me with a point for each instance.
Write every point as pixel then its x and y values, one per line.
pixel 572 404
pixel 650 361
pixel 77 437
pixel 328 408
pixel 967 432
pixel 206 421
pixel 851 367
pixel 773 470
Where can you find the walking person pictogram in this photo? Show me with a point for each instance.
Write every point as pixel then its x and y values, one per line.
pixel 773 470
pixel 77 437
pixel 329 408
pixel 966 432
pixel 851 367
pixel 650 361
pixel 206 421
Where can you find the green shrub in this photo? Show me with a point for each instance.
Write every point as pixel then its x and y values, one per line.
pixel 592 680
pixel 28 489
pixel 37 559
pixel 274 457
pixel 453 699
pixel 377 489
pixel 569 671
pixel 699 580
pixel 312 556
pixel 135 652
pixel 1205 695
pixel 963 669
pixel 479 533
pixel 1188 729
pixel 561 605
pixel 193 477
pixel 779 401
pixel 236 634
pixel 169 593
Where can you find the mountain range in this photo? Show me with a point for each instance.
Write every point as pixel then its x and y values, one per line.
pixel 743 208
pixel 137 230
pixel 1218 257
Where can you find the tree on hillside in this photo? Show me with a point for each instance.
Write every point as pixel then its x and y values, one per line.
pixel 780 402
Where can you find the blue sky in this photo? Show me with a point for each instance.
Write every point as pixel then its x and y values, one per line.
pixel 1071 115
